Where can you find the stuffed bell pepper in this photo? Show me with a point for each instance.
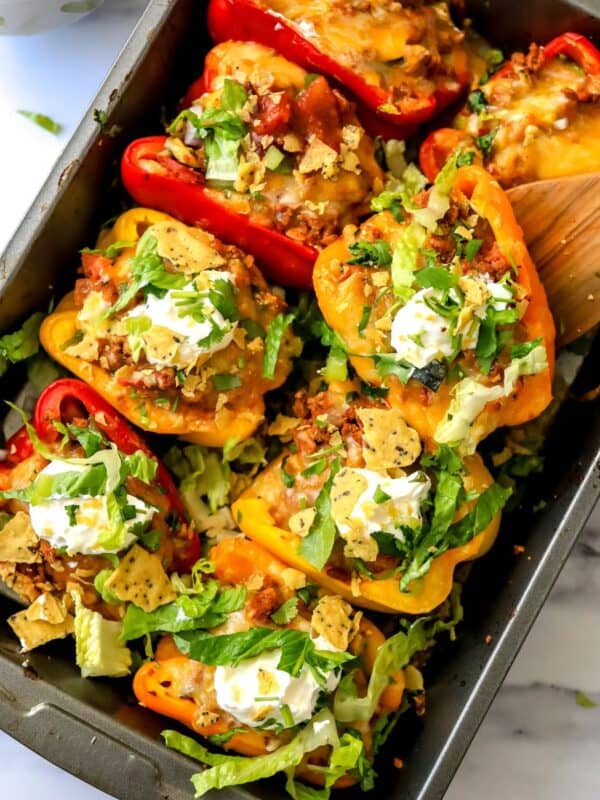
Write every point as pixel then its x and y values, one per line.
pixel 437 300
pixel 266 156
pixel 356 504
pixel 295 680
pixel 84 499
pixel 175 329
pixel 537 117
pixel 403 61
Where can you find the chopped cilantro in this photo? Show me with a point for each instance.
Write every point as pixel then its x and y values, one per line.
pixel 465 158
pixel 72 514
pixel 477 101
pixel 364 320
pixel 286 612
pixel 224 382
pixel 371 254
pixel 287 479
pixel 472 247
pixel 485 142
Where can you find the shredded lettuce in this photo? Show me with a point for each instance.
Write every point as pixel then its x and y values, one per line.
pixel 470 396
pixel 249 451
pixel 222 159
pixel 404 260
pixel 227 770
pixel 99 651
pixel 392 656
pixel 203 474
pixel 208 609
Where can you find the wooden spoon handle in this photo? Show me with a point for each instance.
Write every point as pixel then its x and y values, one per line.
pixel 561 222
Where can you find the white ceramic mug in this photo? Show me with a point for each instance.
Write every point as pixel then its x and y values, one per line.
pixel 34 16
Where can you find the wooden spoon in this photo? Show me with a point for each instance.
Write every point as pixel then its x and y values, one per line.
pixel 561 222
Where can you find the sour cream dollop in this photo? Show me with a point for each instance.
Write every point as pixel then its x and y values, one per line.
pixel 255 690
pixel 187 333
pixel 51 521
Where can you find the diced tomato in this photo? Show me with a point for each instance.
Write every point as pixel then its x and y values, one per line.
pixel 273 114
pixel 96 267
pixel 317 112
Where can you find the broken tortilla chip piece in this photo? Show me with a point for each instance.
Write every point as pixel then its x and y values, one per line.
pixel 19 542
pixel 44 621
pixel 141 579
pixel 388 442
pixel 333 619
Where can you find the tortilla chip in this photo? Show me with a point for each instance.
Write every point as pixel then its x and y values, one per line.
pixel 388 442
pixel 141 579
pixel 188 249
pixel 44 621
pixel 19 542
pixel 301 521
pixel 333 619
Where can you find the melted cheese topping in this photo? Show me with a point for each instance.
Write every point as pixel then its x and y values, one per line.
pixel 543 132
pixel 386 43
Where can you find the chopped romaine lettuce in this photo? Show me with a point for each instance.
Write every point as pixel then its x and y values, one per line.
pixel 99 650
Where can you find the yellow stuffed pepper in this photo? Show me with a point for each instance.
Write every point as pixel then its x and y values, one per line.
pixel 356 505
pixel 437 299
pixel 175 329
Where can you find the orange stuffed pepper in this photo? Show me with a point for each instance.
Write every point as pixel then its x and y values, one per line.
pixel 442 306
pixel 170 326
pixel 356 505
pixel 235 684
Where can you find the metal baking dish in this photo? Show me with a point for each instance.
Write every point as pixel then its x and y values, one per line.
pixel 94 729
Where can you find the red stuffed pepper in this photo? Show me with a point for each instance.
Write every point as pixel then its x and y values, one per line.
pixel 538 117
pixel 403 61
pixel 266 157
pixel 79 491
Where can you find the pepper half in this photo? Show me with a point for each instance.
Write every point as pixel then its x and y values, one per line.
pixel 331 448
pixel 538 117
pixel 477 247
pixel 403 64
pixel 69 402
pixel 158 684
pixel 217 397
pixel 264 156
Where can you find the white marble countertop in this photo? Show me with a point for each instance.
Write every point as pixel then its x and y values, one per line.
pixel 536 743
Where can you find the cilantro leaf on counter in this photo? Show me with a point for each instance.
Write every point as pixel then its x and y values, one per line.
pixel 42 120
pixel 584 701
pixel 22 343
